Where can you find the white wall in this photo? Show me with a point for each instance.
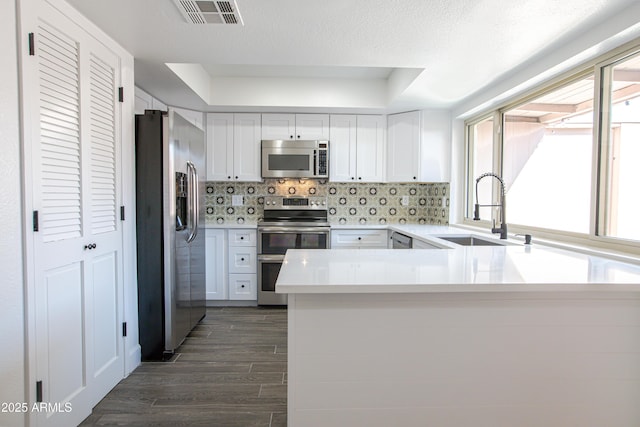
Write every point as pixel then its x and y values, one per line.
pixel 12 363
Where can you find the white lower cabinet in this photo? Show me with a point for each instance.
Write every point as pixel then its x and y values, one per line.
pixel 216 264
pixel 231 264
pixel 242 286
pixel 360 238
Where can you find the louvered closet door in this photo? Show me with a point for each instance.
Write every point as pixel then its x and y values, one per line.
pixel 103 263
pixel 77 250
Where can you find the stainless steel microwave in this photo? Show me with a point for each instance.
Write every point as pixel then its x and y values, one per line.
pixel 295 159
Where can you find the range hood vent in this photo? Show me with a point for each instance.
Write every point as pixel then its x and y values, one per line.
pixel 210 11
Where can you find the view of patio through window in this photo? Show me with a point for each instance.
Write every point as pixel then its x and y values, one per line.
pixel 547 159
pixel 621 148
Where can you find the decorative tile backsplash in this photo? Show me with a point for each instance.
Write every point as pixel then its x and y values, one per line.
pixel 347 203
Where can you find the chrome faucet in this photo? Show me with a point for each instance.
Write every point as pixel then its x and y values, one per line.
pixel 476 211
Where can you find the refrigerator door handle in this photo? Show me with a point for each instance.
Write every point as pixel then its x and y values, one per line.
pixel 193 202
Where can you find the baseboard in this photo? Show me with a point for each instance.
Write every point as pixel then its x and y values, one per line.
pixel 133 360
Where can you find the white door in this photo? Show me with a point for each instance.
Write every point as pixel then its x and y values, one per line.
pixel 278 126
pixel 72 117
pixel 371 158
pixel 219 147
pixel 312 126
pixel 403 161
pixel 216 265
pixel 246 147
pixel 342 148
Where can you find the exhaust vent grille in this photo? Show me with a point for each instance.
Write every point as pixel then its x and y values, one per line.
pixel 209 11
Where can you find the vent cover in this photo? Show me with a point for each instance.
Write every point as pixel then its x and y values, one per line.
pixel 210 11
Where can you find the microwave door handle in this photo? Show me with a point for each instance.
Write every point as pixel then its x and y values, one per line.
pixel 315 163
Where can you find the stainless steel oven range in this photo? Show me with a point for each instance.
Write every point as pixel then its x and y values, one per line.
pixel 289 223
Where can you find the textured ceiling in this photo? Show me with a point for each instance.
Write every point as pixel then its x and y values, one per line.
pixel 462 45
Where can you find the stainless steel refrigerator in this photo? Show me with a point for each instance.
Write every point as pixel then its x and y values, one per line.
pixel 170 156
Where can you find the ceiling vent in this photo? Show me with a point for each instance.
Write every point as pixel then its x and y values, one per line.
pixel 210 11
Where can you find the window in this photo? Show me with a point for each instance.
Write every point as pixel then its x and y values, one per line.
pixel 543 147
pixel 621 149
pixel 481 154
pixel 547 159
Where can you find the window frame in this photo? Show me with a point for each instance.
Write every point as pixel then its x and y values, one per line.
pixel 597 67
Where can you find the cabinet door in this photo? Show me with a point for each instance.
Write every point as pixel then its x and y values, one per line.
pixel 246 147
pixel 242 237
pixel 359 239
pixel 216 265
pixel 278 126
pixel 219 146
pixel 312 126
pixel 243 287
pixel 370 162
pixel 403 154
pixel 435 165
pixel 342 148
pixel 242 259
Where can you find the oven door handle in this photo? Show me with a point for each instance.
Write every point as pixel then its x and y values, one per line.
pixel 271 258
pixel 290 230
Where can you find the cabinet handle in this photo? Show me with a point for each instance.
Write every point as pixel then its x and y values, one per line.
pixel 290 136
pixel 241 237
pixel 414 177
pixel 236 177
pixel 242 286
pixel 353 177
pixel 359 238
pixel 298 136
pixel 90 246
pixel 359 177
pixel 229 177
pixel 241 259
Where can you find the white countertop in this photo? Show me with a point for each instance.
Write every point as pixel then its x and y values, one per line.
pixel 516 267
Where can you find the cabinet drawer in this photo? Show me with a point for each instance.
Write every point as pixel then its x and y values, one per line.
pixel 359 239
pixel 243 287
pixel 242 259
pixel 242 237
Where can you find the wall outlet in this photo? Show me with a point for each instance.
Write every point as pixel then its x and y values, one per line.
pixel 404 201
pixel 237 200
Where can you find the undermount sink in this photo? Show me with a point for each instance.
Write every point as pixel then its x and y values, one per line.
pixel 472 241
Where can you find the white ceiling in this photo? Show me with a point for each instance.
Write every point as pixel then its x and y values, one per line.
pixel 385 55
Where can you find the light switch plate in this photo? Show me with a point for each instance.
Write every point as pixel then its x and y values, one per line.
pixel 404 201
pixel 237 200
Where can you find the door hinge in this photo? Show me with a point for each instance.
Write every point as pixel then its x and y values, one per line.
pixel 124 329
pixel 121 94
pixel 32 44
pixel 121 213
pixel 36 222
pixel 38 391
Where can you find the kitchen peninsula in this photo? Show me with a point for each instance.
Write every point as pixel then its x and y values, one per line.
pixel 483 336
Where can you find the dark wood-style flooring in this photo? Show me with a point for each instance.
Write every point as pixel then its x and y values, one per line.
pixel 230 371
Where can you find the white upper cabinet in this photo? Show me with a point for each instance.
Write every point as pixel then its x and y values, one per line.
pixel 357 148
pixel 403 154
pixel 312 126
pixel 342 148
pixel 370 159
pixel 419 147
pixel 295 126
pixel 233 147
